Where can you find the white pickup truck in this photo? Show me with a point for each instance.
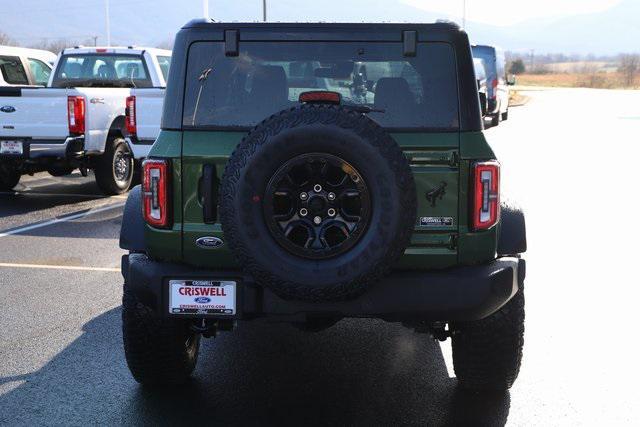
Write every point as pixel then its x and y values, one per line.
pixel 86 116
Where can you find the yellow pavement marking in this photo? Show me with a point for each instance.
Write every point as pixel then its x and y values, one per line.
pixel 58 267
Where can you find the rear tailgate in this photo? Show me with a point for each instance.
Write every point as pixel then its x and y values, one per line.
pixel 36 113
pixel 148 113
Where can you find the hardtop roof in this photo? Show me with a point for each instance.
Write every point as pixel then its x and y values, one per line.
pixel 236 33
pixel 444 31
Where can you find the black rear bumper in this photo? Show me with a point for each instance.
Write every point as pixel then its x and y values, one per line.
pixel 457 294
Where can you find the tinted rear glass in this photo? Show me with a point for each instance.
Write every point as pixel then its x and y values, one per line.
pixel 12 70
pixel 488 57
pixel 102 70
pixel 415 92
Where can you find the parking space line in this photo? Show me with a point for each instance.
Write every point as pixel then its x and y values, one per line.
pixel 447 355
pixel 65 218
pixel 58 267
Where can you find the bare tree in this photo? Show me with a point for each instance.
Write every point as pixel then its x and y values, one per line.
pixel 166 44
pixel 58 44
pixel 5 39
pixel 630 68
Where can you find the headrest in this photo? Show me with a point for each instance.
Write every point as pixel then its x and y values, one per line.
pixel 392 90
pixel 269 84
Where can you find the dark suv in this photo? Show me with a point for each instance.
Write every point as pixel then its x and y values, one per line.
pixel 308 173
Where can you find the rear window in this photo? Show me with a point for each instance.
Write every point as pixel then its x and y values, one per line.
pixel 164 62
pixel 479 67
pixel 488 57
pixel 101 70
pixel 414 92
pixel 12 70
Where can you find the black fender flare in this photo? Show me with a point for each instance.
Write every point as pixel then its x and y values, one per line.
pixel 512 231
pixel 132 229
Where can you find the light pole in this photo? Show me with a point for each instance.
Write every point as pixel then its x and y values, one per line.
pixel 264 10
pixel 464 14
pixel 106 4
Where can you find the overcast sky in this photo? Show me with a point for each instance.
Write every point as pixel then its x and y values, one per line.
pixel 497 12
pixel 504 12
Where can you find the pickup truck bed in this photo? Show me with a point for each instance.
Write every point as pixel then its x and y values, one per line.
pixel 79 121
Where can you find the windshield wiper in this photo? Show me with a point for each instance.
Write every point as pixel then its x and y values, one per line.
pixel 364 109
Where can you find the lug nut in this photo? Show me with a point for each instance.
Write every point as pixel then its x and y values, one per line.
pixel 331 196
pixel 317 220
pixel 304 212
pixel 331 212
pixel 304 196
pixel 317 188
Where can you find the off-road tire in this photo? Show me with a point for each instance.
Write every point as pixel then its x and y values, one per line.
pixel 105 169
pixel 487 353
pixel 9 177
pixel 495 119
pixel 158 350
pixel 337 131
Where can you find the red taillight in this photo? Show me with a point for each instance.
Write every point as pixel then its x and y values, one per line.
pixel 486 195
pixel 320 96
pixel 130 113
pixel 155 192
pixel 76 110
pixel 494 86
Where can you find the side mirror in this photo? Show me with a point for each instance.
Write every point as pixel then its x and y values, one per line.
pixel 483 103
pixel 511 79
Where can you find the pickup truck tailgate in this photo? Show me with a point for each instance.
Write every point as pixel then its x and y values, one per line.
pixel 148 112
pixel 38 113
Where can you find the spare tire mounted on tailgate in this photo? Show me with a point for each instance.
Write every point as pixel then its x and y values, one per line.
pixel 318 202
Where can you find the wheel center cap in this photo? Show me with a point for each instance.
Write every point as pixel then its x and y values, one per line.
pixel 317 204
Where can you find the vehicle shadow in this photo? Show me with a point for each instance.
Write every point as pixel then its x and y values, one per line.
pixel 46 192
pixel 359 372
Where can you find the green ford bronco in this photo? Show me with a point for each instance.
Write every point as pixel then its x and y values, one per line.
pixel 307 173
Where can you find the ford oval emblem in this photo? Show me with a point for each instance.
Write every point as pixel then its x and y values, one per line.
pixel 209 242
pixel 202 300
pixel 8 109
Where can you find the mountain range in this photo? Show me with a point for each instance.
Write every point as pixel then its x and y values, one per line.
pixel 145 22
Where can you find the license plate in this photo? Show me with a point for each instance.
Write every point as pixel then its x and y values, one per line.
pixel 202 297
pixel 10 147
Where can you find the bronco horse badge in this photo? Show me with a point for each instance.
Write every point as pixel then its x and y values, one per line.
pixel 436 193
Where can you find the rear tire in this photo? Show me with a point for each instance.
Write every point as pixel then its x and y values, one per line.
pixel 158 350
pixel 9 177
pixel 495 119
pixel 487 353
pixel 114 168
pixel 505 116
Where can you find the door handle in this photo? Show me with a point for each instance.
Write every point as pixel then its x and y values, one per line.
pixel 209 193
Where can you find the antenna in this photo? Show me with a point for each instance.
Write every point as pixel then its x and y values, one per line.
pixel 205 8
pixel 264 10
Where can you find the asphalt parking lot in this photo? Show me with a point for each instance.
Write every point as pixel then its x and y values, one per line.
pixel 572 166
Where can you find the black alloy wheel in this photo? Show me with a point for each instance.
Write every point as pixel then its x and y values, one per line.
pixel 317 205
